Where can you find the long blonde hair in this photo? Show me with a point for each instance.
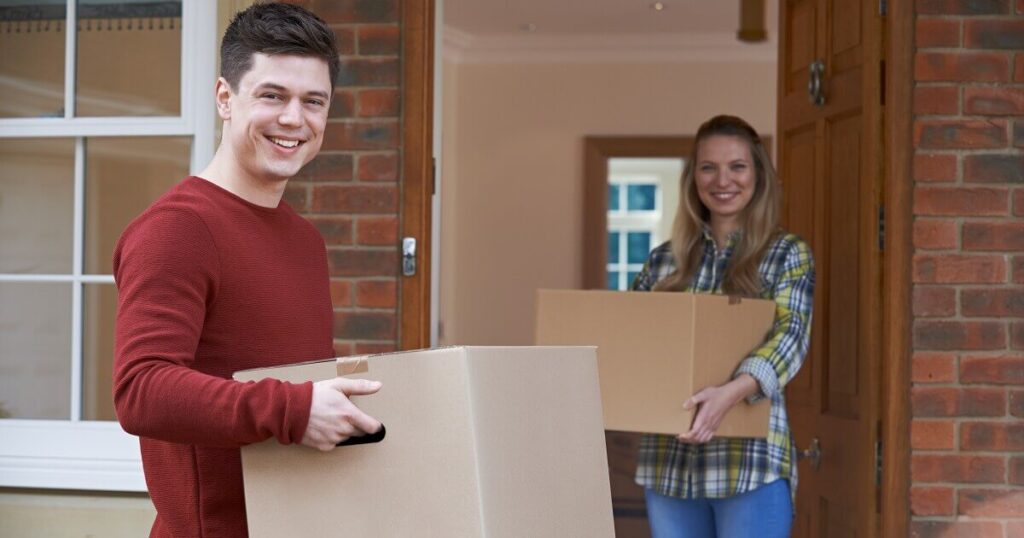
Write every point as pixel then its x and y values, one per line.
pixel 760 219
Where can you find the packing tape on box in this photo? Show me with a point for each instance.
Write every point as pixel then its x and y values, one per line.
pixel 353 365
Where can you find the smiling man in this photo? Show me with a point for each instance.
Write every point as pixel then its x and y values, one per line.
pixel 220 275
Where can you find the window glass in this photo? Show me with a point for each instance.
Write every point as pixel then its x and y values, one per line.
pixel 123 176
pixel 98 310
pixel 35 350
pixel 613 197
pixel 641 197
pixel 613 247
pixel 32 84
pixel 613 280
pixel 639 246
pixel 37 191
pixel 129 58
pixel 630 277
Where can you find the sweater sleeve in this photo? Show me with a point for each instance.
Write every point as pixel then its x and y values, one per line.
pixel 166 267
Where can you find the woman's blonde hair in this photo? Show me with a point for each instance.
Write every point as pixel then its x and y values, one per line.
pixel 760 219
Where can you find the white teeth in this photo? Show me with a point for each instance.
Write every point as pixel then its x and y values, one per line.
pixel 285 143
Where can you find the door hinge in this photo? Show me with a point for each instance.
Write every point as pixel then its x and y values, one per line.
pixel 881 228
pixel 883 7
pixel 878 463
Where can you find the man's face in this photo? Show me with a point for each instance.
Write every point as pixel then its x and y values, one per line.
pixel 274 121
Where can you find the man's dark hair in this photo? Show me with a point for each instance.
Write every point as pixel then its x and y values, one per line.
pixel 272 28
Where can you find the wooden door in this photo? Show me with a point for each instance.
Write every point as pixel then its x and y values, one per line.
pixel 830 158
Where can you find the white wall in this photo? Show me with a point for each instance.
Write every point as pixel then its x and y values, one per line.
pixel 513 170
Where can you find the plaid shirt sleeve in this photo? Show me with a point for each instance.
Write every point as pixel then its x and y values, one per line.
pixel 776 362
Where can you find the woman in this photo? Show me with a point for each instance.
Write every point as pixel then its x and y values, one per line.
pixel 726 239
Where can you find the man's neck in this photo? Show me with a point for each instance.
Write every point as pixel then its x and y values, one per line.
pixel 224 172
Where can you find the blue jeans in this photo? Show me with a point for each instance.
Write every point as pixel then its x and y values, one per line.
pixel 766 512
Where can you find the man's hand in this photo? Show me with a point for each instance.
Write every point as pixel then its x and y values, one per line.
pixel 712 404
pixel 333 418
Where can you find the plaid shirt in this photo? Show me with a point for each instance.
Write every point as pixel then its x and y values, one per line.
pixel 725 467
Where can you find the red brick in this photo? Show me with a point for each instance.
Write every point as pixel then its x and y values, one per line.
pixel 1018 202
pixel 378 167
pixel 335 230
pixel 1018 269
pixel 355 199
pixel 957 468
pixel 346 38
pixel 379 40
pixel 932 435
pixel 1018 134
pixel 931 367
pixel 937 33
pixel 995 236
pixel 351 11
pixel 991 502
pixel 932 100
pixel 328 167
pixel 365 325
pixel 369 72
pixel 958 402
pixel 960 134
pixel 931 501
pixel 962 67
pixel 342 104
pixel 360 262
pixel 342 348
pixel 958 269
pixel 994 168
pixel 1017 335
pixel 372 348
pixel 374 135
pixel 999 370
pixel 341 293
pixel 935 234
pixel 956 529
pixel 378 103
pixel 957 335
pixel 377 294
pixel 1020 9
pixel 994 436
pixel 375 231
pixel 1015 529
pixel 1018 67
pixel 994 34
pixel 938 168
pixel 962 7
pixel 933 301
pixel 296 194
pixel 1017 473
pixel 961 201
pixel 993 101
pixel 991 303
pixel 1017 403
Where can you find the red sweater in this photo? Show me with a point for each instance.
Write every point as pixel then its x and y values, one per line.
pixel 210 284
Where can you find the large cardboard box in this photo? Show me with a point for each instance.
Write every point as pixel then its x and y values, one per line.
pixel 480 442
pixel 656 349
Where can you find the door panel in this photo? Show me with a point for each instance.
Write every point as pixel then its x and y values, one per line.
pixel 830 158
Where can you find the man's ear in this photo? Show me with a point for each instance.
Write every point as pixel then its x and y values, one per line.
pixel 222 92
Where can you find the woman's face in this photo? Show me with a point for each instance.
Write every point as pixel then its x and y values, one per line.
pixel 725 178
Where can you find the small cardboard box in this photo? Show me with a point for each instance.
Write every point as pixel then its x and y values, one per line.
pixel 656 349
pixel 480 442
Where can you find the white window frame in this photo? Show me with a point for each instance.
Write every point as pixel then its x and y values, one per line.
pixel 99 455
pixel 624 221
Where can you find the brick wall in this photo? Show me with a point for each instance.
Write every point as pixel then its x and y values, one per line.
pixel 967 435
pixel 351 190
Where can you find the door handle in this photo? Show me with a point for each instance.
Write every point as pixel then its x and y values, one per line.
pixel 813 453
pixel 815 85
pixel 408 256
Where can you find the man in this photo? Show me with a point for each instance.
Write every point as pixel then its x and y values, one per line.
pixel 220 275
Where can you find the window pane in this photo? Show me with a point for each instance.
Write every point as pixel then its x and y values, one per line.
pixel 129 58
pixel 613 280
pixel 37 195
pixel 98 310
pixel 613 197
pixel 639 245
pixel 641 197
pixel 35 350
pixel 32 58
pixel 613 247
pixel 122 177
pixel 631 276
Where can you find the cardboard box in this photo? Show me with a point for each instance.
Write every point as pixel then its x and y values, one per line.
pixel 480 442
pixel 657 349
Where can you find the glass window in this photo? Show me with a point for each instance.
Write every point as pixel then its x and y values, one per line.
pixel 613 280
pixel 613 197
pixel 641 197
pixel 613 247
pixel 37 186
pixel 35 370
pixel 129 58
pixel 32 84
pixel 99 306
pixel 630 277
pixel 639 246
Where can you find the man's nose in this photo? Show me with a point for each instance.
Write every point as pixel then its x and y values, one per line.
pixel 291 114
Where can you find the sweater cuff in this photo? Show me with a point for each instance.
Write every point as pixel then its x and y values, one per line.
pixel 762 372
pixel 299 403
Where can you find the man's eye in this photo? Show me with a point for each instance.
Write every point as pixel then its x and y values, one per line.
pixel 315 102
pixel 273 96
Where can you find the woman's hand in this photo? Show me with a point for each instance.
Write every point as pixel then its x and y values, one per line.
pixel 712 404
